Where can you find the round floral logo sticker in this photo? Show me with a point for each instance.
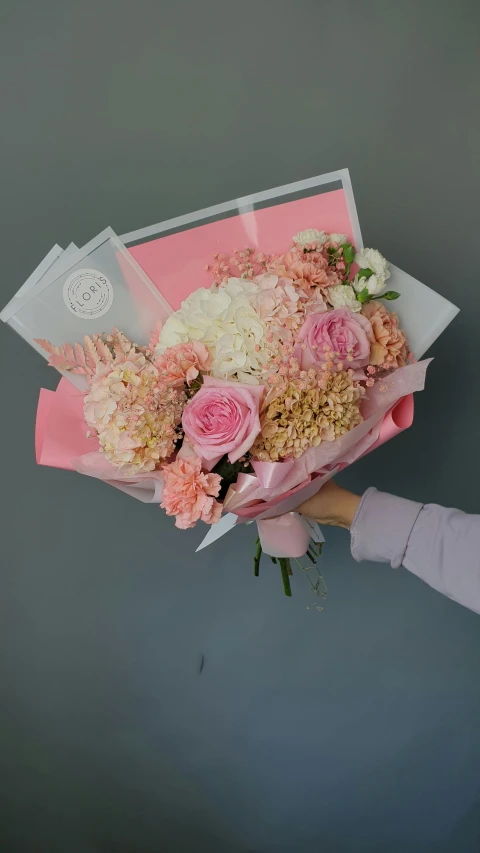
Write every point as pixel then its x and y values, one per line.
pixel 88 294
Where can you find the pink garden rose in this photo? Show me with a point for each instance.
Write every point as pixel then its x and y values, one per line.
pixel 222 418
pixel 338 336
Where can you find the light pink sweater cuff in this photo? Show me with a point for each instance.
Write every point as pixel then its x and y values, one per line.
pixel 382 526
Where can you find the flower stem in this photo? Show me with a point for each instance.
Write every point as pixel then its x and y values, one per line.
pixel 285 566
pixel 256 559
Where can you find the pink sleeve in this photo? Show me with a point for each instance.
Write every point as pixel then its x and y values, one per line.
pixel 441 546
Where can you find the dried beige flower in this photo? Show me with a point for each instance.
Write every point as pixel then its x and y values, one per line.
pixel 302 412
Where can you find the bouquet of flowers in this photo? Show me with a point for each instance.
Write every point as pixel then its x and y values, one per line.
pixel 286 368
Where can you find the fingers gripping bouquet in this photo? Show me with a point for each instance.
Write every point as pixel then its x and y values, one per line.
pixel 255 391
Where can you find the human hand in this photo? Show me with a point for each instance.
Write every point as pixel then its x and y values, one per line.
pixel 331 505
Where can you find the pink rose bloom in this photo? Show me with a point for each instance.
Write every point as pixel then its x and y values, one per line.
pixel 390 344
pixel 189 494
pixel 182 363
pixel 337 335
pixel 222 418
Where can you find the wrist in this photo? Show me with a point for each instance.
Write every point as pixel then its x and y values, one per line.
pixel 346 505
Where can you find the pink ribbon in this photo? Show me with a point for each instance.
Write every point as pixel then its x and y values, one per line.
pixel 271 474
pixel 259 508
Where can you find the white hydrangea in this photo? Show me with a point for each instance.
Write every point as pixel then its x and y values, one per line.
pixel 224 320
pixel 311 235
pixel 343 296
pixel 371 259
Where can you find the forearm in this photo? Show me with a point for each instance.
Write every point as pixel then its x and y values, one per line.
pixel 441 546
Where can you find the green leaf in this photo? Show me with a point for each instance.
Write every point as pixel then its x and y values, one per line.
pixel 364 295
pixel 365 273
pixel 348 253
pixel 390 294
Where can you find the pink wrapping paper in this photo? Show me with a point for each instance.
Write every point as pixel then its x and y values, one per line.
pixel 287 535
pixel 60 429
pixel 176 263
pixel 397 419
pixel 61 442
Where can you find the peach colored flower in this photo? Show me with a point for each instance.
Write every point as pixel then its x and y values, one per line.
pixel 301 413
pixel 306 270
pixel 134 416
pixel 189 494
pixel 390 345
pixel 279 303
pixel 182 363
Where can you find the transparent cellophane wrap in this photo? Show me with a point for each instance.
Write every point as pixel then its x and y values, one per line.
pixel 86 291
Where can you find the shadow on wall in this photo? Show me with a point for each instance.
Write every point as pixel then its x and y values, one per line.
pixel 465 837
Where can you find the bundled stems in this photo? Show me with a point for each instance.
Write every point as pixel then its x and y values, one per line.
pixel 285 566
pixel 256 559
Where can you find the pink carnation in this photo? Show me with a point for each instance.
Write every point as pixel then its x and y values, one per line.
pixel 390 344
pixel 189 494
pixel 306 270
pixel 182 363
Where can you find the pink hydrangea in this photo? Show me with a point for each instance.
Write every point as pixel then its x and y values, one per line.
pixel 134 415
pixel 189 493
pixel 278 302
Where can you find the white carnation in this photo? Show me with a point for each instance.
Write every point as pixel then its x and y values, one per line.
pixel 338 238
pixel 311 235
pixel 371 259
pixel 224 320
pixel 343 296
pixel 374 284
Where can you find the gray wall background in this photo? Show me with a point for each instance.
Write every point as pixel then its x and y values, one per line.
pixel 354 730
